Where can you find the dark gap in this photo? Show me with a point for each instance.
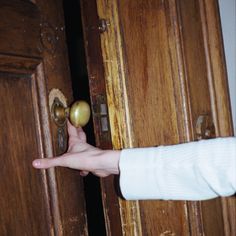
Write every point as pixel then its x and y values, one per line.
pixel 79 77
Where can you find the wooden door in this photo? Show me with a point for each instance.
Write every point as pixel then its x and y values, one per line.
pixel 33 62
pixel 163 64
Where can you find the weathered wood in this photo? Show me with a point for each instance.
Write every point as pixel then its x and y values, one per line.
pixel 33 61
pixel 162 72
pixel 69 185
pixel 23 195
pixel 91 24
pixel 22 37
pixel 218 84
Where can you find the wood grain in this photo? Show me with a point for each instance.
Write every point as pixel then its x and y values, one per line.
pixel 23 200
pixel 97 89
pixel 217 78
pixel 22 37
pixel 66 185
pixel 161 75
pixel 152 98
pixel 113 62
pixel 33 61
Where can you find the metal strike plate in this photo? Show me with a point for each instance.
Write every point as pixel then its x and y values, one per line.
pixel 101 113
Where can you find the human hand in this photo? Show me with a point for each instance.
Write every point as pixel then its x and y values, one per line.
pixel 83 156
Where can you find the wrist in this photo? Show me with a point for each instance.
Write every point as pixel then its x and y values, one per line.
pixel 112 158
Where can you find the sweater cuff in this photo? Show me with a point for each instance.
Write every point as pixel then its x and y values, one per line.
pixel 136 180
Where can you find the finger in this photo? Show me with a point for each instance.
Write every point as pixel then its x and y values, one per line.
pixel 46 163
pixel 84 173
pixel 81 134
pixel 72 131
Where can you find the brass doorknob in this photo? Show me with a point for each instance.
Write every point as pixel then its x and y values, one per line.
pixel 79 113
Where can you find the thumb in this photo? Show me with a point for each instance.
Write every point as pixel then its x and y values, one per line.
pixel 76 132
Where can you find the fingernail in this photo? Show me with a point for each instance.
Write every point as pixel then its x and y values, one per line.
pixel 36 163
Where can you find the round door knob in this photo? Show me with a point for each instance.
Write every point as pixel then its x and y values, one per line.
pixel 79 113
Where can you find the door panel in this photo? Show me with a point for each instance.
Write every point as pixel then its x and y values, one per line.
pixel 164 67
pixel 149 46
pixel 33 62
pixel 23 190
pixel 19 26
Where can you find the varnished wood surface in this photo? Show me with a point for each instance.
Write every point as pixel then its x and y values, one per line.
pixel 33 61
pixel 152 100
pixel 98 88
pixel 219 92
pixel 23 203
pixel 22 37
pixel 66 186
pixel 120 123
pixel 199 97
pixel 160 78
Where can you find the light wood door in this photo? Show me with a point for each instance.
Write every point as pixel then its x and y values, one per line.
pixel 33 61
pixel 163 64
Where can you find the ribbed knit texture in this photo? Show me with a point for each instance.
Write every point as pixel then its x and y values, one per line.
pixel 193 171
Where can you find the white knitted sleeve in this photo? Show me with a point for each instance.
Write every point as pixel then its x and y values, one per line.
pixel 192 171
